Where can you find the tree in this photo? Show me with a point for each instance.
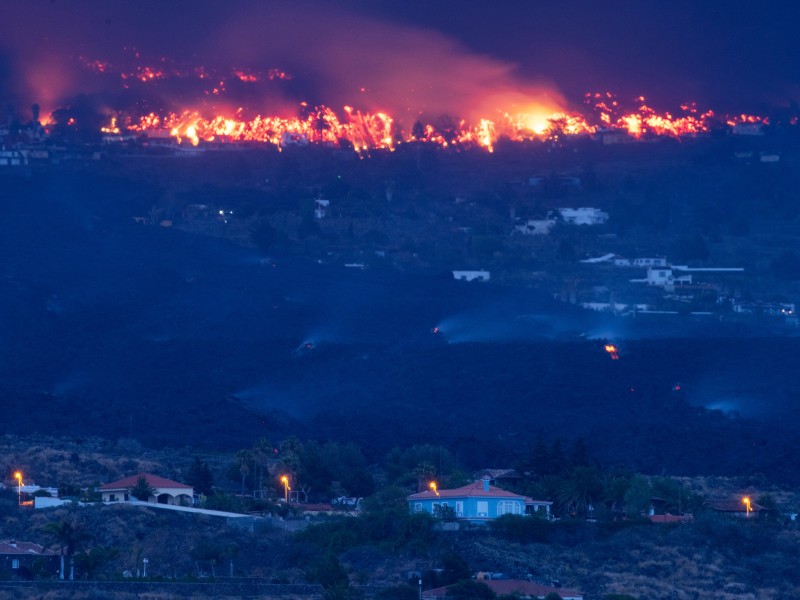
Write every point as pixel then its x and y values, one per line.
pixel 243 458
pixel 454 568
pixel 470 590
pixel 328 572
pixel 201 478
pixel 522 529
pixel 638 496
pixel 69 535
pixel 581 490
pixel 580 454
pixel 90 562
pixel 261 452
pixel 142 490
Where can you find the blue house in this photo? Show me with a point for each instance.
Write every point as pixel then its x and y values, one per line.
pixel 477 502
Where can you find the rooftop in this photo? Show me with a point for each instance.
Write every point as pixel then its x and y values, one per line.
pixel 24 548
pixel 152 480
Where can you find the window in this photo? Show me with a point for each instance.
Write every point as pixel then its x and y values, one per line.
pixel 15 563
pixel 417 507
pixel 483 508
pixel 112 497
pixel 508 507
pixel 459 508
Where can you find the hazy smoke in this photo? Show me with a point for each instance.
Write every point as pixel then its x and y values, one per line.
pixel 336 56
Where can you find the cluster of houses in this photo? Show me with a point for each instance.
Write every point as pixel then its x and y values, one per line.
pixel 474 504
pixel 584 215
pixel 672 279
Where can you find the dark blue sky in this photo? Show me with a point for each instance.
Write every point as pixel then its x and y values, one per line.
pixel 730 56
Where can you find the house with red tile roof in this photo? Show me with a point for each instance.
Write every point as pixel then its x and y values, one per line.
pixel 165 491
pixel 17 558
pixel 737 507
pixel 519 588
pixel 477 502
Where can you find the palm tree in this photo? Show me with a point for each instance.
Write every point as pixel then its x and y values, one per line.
pixel 243 457
pixel 142 490
pixel 69 535
pixel 581 489
pixel 261 452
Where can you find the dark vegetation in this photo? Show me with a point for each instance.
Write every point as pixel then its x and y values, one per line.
pixel 616 551
pixel 119 328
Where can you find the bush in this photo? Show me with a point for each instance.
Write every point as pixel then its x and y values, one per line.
pixel 470 590
pixel 522 529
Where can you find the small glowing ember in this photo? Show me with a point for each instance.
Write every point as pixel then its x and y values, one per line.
pixel 612 351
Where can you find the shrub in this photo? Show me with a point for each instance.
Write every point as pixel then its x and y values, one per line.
pixel 522 529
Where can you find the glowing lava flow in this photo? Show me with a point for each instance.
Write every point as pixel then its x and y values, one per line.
pixel 612 351
pixel 365 131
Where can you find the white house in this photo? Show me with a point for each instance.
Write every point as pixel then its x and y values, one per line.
pixel 321 208
pixel 650 262
pixel 663 276
pixel 582 216
pixel 471 275
pixel 534 226
pixel 165 491
pixel 12 158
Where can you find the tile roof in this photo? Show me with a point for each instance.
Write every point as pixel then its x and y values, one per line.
pixel 153 480
pixel 26 548
pixel 473 490
pixel 668 518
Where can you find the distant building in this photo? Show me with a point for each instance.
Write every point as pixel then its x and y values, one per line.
pixel 662 276
pixel 165 491
pixel 471 275
pixel 581 216
pixel 670 519
pixel 772 309
pixel 321 208
pixel 502 477
pixel 659 261
pixel 736 507
pixel 478 502
pixel 12 158
pixel 534 226
pixel 17 558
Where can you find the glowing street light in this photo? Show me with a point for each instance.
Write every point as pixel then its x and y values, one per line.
pixel 746 502
pixel 433 486
pixel 286 488
pixel 18 477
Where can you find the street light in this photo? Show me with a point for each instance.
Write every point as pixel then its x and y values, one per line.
pixel 18 477
pixel 748 508
pixel 144 563
pixel 286 488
